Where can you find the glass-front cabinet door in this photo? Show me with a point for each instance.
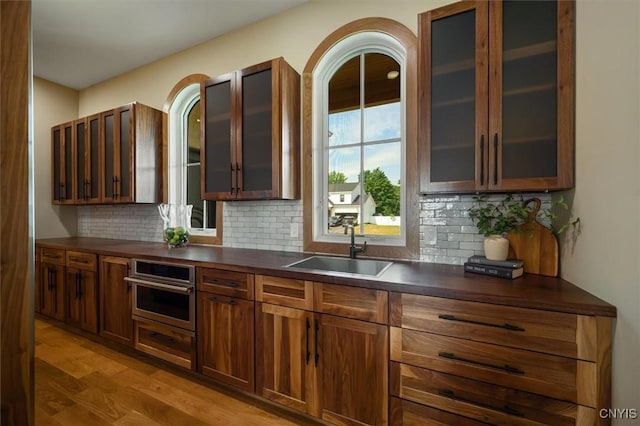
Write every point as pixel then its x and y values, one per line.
pixel 254 147
pixel 454 91
pixel 531 96
pixel 217 162
pixel 496 108
pixel 63 148
pixel 87 160
pixel 92 159
pixel 118 155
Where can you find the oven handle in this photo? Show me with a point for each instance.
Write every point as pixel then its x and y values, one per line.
pixel 160 285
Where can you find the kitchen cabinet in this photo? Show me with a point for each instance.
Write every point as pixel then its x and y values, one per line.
pixel 329 366
pixel 87 160
pixel 110 157
pixel 50 288
pixel 225 326
pixel 82 290
pixel 251 134
pixel 497 96
pixel 132 147
pixel 116 322
pixel 499 364
pixel 62 167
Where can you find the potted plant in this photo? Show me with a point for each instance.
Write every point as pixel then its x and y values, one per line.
pixel 495 220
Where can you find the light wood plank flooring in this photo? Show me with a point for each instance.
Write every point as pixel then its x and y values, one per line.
pixel 81 382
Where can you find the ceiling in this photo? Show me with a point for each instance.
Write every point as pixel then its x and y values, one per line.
pixel 78 43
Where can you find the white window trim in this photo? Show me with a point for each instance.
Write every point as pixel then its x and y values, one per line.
pixel 177 154
pixel 363 42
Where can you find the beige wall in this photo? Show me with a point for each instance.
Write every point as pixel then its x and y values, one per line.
pixel 52 104
pixel 605 257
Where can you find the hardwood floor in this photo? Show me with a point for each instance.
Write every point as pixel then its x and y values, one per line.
pixel 81 382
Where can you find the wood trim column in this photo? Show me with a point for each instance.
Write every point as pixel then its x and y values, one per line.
pixel 16 215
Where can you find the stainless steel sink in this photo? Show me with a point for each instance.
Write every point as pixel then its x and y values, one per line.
pixel 344 265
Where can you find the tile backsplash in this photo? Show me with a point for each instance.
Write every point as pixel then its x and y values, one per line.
pixel 446 232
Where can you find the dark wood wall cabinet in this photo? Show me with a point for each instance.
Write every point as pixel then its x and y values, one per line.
pixel 250 129
pixel 110 157
pixel 496 82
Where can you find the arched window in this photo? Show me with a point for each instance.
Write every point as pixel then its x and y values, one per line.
pixel 362 140
pixel 183 162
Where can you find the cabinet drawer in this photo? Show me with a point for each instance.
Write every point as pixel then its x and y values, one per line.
pixel 543 331
pixel 550 375
pixel 52 256
pixel 80 260
pixel 284 292
pixel 227 283
pixel 165 342
pixel 491 403
pixel 407 413
pixel 352 302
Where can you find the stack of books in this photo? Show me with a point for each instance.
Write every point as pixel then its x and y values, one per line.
pixel 510 268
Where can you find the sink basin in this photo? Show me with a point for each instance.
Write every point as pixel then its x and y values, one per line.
pixel 344 265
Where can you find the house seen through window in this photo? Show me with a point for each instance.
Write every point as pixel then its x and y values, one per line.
pixel 363 145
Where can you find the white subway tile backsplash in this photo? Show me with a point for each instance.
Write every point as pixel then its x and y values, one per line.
pixel 447 235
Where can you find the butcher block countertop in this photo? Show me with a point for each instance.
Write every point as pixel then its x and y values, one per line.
pixel 430 279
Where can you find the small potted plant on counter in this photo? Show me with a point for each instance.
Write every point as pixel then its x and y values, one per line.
pixel 495 220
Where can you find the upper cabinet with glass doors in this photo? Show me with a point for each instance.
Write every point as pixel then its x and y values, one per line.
pixel 497 96
pixel 110 157
pixel 251 134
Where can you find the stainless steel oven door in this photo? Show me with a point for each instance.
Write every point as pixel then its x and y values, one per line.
pixel 166 303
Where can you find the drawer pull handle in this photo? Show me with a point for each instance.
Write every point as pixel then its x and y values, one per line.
pixel 77 259
pixel 504 409
pixel 51 256
pixel 506 367
pixel 216 300
pixel 506 326
pixel 220 282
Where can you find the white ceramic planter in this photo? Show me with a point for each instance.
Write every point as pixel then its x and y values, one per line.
pixel 496 247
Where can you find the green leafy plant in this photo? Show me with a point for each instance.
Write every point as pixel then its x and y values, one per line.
pixel 499 218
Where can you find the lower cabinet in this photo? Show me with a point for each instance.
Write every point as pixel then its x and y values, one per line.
pixel 115 300
pixel 81 287
pixel 82 299
pixel 163 341
pixel 225 326
pixel 353 371
pixel 49 291
pixel 225 339
pixel 498 364
pixel 286 364
pixel 327 366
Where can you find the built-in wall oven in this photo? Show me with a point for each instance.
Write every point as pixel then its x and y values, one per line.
pixel 163 292
pixel 164 306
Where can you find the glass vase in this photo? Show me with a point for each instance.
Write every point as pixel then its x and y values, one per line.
pixel 177 222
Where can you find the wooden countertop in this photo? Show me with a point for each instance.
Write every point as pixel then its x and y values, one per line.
pixel 430 279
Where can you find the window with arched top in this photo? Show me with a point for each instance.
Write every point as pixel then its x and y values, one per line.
pixel 182 161
pixel 360 140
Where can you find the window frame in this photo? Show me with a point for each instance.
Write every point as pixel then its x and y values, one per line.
pixel 383 36
pixel 179 102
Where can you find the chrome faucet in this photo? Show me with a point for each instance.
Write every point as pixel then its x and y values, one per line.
pixel 353 249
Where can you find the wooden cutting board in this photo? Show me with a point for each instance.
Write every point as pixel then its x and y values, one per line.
pixel 535 244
